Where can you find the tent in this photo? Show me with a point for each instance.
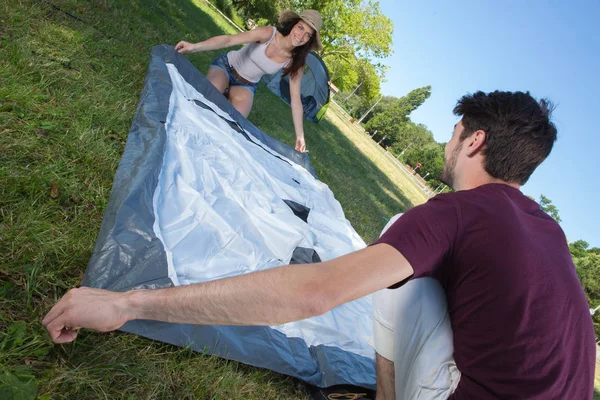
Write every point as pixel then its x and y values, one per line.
pixel 314 88
pixel 200 194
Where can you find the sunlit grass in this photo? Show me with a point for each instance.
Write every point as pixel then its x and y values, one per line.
pixel 68 94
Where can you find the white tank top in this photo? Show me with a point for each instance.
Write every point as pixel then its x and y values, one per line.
pixel 251 61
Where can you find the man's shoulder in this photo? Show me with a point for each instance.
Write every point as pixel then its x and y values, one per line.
pixel 496 193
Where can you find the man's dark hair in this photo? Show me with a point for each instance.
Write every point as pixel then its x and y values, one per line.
pixel 518 132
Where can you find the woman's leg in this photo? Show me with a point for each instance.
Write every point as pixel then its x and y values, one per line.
pixel 218 78
pixel 241 98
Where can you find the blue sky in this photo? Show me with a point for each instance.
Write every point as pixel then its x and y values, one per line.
pixel 550 48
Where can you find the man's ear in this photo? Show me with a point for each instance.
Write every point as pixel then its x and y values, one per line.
pixel 475 142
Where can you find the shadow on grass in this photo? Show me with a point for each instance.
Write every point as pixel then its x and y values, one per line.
pixel 368 197
pixel 69 94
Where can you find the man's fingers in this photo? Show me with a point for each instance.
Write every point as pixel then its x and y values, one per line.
pixel 53 313
pixel 65 337
pixel 55 327
pixel 60 331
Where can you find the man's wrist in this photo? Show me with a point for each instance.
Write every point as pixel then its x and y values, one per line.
pixel 135 304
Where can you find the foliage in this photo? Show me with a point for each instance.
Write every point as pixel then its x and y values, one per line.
pixel 549 208
pixel 17 387
pixel 588 270
pixel 392 121
pixel 355 33
pixel 68 94
pixel 579 248
pixel 343 75
pixel 265 12
pixel 587 263
pixel 367 75
pixel 226 7
pixel 351 103
pixel 352 28
pixel 431 158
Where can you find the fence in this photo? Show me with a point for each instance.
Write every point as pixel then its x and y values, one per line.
pixel 347 118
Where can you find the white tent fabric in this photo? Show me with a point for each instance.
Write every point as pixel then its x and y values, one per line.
pixel 220 212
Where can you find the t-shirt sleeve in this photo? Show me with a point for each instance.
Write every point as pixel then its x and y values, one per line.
pixel 425 234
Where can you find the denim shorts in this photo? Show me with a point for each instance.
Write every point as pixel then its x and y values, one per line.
pixel 222 63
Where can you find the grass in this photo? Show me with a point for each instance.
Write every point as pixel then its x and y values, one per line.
pixel 68 92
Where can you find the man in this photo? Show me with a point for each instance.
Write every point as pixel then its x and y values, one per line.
pixel 516 323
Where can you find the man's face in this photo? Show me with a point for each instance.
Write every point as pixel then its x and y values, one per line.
pixel 453 148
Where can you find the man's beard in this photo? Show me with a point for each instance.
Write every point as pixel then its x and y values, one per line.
pixel 447 176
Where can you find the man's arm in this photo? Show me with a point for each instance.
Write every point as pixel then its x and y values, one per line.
pixel 270 297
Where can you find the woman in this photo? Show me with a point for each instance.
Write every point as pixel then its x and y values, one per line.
pixel 267 50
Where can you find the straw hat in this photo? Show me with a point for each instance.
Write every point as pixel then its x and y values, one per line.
pixel 311 17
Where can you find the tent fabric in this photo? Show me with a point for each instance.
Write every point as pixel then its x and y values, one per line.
pixel 314 87
pixel 200 194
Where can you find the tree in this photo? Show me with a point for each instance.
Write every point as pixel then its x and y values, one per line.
pixel 549 208
pixel 353 104
pixel 578 248
pixel 588 270
pixel 370 88
pixel 353 28
pixel 343 75
pixel 391 121
pixel 257 9
pixel 355 34
pixel 431 158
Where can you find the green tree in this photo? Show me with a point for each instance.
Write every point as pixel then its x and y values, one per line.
pixel 343 75
pixel 588 270
pixel 431 158
pixel 393 120
pixel 549 208
pixel 411 136
pixel 352 28
pixel 370 82
pixel 352 103
pixel 257 9
pixel 578 248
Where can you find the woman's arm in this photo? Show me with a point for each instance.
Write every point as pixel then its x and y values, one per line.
pixel 221 42
pixel 297 111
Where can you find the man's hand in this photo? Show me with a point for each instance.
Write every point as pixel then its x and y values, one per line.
pixel 300 144
pixel 98 309
pixel 184 47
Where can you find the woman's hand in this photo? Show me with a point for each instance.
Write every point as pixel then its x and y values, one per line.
pixel 300 144
pixel 184 47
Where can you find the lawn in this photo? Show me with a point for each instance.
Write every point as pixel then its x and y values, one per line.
pixel 70 76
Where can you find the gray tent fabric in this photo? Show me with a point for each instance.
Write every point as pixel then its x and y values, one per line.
pixel 314 87
pixel 134 249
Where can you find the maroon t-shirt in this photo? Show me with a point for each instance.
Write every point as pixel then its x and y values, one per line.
pixel 521 322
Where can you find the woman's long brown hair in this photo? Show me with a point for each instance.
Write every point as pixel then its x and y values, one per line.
pixel 299 53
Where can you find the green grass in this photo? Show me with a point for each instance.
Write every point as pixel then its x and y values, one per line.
pixel 68 94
